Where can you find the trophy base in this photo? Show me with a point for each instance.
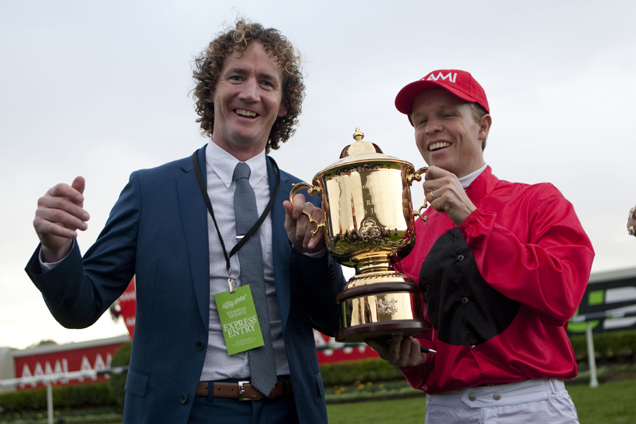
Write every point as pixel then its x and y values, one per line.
pixel 379 305
pixel 359 333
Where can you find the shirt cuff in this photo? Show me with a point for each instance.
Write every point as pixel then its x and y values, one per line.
pixel 47 266
pixel 318 254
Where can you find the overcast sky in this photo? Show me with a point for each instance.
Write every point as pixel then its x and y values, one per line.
pixel 101 89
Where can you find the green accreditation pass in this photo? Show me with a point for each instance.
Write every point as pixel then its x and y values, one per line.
pixel 239 320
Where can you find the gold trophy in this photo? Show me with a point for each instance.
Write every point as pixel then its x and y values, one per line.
pixel 368 223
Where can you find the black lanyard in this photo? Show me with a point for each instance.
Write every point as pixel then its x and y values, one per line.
pixel 252 230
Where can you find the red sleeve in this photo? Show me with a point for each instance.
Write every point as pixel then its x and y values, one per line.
pixel 539 256
pixel 416 376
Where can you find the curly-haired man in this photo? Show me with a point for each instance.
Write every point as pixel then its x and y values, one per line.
pixel 175 229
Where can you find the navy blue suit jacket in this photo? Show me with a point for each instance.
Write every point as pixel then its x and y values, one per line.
pixel 158 231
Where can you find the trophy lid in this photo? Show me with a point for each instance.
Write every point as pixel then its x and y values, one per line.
pixel 364 152
pixel 360 147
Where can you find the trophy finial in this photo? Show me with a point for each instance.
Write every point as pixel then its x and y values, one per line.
pixel 360 147
pixel 358 135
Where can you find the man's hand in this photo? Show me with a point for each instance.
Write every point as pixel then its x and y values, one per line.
pixel 445 193
pixel 59 215
pixel 631 222
pixel 401 351
pixel 299 228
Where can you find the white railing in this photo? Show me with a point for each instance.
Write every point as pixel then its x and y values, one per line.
pixel 49 379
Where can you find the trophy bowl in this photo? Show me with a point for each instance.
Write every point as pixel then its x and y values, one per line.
pixel 368 224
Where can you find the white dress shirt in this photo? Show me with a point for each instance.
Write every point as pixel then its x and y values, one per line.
pixel 220 168
pixel 466 180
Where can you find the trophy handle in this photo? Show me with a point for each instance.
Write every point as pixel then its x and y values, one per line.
pixel 417 176
pixel 418 213
pixel 311 190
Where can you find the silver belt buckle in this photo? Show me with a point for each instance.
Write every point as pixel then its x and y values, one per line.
pixel 241 391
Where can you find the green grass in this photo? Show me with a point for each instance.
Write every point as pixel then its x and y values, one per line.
pixel 612 402
pixel 398 411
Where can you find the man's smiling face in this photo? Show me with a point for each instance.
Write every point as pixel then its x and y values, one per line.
pixel 247 101
pixel 446 132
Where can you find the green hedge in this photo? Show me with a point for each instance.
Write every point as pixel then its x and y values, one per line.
pixel 89 395
pixel 364 370
pixel 117 382
pixel 609 347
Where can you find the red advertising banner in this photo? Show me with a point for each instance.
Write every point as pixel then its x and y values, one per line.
pixel 128 306
pixel 59 359
pixel 338 353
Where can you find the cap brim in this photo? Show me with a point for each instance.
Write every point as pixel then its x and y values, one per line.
pixel 406 96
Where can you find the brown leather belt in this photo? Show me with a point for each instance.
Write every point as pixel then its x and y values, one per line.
pixel 243 390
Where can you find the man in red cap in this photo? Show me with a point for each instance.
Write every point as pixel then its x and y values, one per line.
pixel 502 266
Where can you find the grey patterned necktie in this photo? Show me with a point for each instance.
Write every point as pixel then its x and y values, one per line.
pixel 261 360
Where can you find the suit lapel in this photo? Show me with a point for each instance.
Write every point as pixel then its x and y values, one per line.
pixel 195 224
pixel 280 243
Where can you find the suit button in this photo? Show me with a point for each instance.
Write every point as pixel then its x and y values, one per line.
pixel 464 300
pixel 460 258
pixel 199 345
pixel 472 397
pixel 183 398
pixel 496 396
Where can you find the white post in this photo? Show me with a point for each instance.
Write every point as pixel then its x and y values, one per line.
pixel 49 400
pixel 591 359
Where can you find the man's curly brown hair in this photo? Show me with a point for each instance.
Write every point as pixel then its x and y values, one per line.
pixel 210 62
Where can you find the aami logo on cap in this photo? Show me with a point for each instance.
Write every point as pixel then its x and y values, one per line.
pixel 451 76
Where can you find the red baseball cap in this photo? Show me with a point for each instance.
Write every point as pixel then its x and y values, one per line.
pixel 460 83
